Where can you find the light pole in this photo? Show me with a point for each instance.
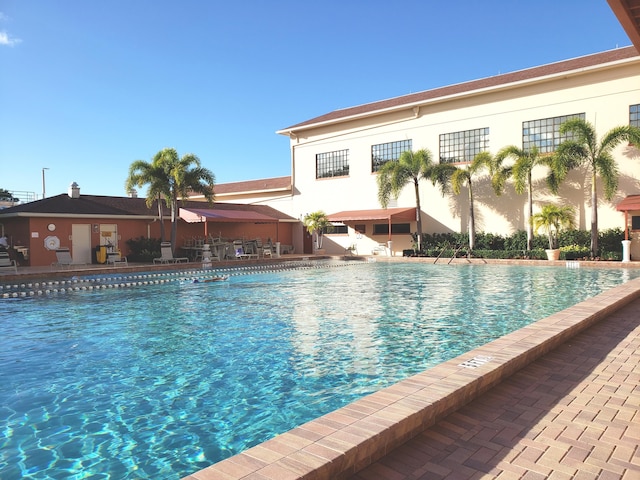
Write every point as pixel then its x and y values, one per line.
pixel 43 188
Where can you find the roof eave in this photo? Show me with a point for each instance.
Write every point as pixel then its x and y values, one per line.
pixel 291 131
pixel 77 215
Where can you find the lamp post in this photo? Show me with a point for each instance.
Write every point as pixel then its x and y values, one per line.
pixel 43 187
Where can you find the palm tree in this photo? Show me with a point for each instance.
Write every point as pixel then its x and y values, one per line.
pixel 524 163
pixel 552 219
pixel 316 223
pixel 411 167
pixel 583 149
pixel 172 178
pixel 142 173
pixel 459 176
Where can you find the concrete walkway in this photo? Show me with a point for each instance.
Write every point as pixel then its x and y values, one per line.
pixel 572 414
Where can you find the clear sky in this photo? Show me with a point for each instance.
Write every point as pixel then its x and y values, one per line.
pixel 87 87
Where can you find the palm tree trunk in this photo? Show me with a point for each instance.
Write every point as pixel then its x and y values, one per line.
pixel 174 223
pixel 472 220
pixel 161 217
pixel 594 215
pixel 530 216
pixel 418 215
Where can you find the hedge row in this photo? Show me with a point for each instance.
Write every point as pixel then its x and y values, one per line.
pixel 574 245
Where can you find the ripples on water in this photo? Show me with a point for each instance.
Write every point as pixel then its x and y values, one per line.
pixel 159 381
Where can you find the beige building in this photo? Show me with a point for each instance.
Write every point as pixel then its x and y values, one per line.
pixel 335 157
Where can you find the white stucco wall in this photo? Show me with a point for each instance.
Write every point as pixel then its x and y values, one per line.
pixel 602 94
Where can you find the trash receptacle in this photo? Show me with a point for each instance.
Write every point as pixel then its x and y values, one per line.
pixel 101 254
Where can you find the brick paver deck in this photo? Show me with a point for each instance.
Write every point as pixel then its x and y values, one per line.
pixel 574 414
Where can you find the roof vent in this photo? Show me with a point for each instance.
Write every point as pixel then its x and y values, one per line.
pixel 74 190
pixel 133 193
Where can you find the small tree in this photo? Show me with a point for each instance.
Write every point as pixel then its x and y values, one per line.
pixel 552 219
pixel 316 223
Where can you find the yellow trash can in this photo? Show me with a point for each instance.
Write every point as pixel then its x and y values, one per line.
pixel 101 254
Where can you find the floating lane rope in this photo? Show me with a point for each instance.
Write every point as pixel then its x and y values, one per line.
pixel 91 283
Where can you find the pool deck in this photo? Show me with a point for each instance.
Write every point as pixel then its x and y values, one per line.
pixel 557 399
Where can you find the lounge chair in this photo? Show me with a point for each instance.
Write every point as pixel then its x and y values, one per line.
pixel 6 263
pixel 63 256
pixel 167 255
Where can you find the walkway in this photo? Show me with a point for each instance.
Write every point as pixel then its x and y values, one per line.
pixel 575 413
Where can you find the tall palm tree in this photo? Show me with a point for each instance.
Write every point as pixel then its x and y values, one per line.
pixel 583 148
pixel 523 164
pixel 185 175
pixel 459 176
pixel 142 173
pixel 172 178
pixel 411 167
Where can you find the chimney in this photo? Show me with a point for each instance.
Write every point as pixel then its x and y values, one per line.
pixel 74 190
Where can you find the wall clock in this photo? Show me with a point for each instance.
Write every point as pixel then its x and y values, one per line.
pixel 51 227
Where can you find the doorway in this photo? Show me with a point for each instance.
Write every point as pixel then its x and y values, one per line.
pixel 81 242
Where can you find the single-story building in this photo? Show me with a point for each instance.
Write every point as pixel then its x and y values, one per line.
pixel 84 223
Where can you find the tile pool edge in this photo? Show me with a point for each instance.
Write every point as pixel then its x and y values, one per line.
pixel 342 442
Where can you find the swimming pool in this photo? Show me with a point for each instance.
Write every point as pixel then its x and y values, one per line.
pixel 162 379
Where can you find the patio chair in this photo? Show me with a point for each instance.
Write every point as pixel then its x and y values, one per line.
pixel 6 263
pixel 267 250
pixel 63 256
pixel 238 248
pixel 167 255
pixel 116 259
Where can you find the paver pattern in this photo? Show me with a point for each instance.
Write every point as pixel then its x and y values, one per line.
pixel 572 414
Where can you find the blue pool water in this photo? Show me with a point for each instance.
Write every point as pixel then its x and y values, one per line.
pixel 160 380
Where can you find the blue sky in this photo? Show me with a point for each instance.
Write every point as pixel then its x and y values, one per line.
pixel 88 87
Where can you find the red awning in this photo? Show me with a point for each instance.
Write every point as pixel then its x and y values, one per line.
pixel 632 202
pixel 199 215
pixel 406 214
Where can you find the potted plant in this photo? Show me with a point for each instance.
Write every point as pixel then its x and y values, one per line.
pixel 552 219
pixel 316 223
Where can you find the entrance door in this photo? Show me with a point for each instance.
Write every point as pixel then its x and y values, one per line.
pixel 81 242
pixel 307 242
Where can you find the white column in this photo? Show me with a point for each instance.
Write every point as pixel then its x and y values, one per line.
pixel 626 250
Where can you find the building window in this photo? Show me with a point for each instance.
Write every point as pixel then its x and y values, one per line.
pixel 336 230
pixel 545 133
pixel 460 147
pixel 385 152
pixel 634 115
pixel 383 228
pixel 332 164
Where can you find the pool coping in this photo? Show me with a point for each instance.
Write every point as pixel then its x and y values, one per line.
pixel 339 444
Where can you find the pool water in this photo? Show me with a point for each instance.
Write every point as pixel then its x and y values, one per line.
pixel 161 380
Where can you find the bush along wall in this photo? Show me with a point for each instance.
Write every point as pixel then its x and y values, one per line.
pixel 574 245
pixel 143 249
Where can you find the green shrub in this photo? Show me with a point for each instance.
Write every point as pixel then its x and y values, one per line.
pixel 143 249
